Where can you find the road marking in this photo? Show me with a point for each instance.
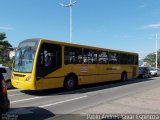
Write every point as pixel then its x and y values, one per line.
pixel 43 106
pixel 25 99
pixel 16 94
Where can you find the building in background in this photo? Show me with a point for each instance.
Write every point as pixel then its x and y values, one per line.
pixel 12 53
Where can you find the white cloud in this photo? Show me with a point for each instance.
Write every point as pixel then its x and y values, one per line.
pixel 6 28
pixel 153 26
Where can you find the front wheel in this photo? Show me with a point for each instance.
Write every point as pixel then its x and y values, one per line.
pixel 70 82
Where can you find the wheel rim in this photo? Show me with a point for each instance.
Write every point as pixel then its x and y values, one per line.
pixel 70 83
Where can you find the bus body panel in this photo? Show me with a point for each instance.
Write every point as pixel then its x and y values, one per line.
pixel 56 79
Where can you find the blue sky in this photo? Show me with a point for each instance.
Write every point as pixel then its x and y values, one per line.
pixel 128 25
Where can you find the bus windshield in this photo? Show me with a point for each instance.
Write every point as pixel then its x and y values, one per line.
pixel 24 60
pixel 24 57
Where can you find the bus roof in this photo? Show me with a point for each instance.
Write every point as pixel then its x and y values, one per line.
pixel 85 46
pixel 77 45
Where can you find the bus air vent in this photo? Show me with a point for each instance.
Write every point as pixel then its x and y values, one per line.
pixel 18 75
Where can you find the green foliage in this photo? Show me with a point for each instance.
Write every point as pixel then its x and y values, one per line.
pixel 2 36
pixel 8 63
pixel 151 59
pixel 5 47
pixel 4 43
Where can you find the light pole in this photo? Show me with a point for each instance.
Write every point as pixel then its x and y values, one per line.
pixel 156 52
pixel 70 5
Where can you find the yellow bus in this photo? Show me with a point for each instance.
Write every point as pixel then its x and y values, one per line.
pixel 43 64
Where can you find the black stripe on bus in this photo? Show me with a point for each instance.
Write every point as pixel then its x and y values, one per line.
pixel 54 77
pixel 82 75
pixel 102 74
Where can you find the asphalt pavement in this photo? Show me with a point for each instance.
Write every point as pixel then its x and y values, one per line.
pixel 136 96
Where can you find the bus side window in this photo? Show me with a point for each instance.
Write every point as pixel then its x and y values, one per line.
pixel 89 56
pixel 136 59
pixel 85 54
pixel 130 59
pixel 72 55
pixel 113 58
pixel 45 58
pixel 49 59
pixel 123 58
pixel 103 57
pixel 40 61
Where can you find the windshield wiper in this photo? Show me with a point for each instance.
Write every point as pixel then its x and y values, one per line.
pixel 20 57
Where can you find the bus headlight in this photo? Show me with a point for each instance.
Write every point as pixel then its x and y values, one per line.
pixel 28 79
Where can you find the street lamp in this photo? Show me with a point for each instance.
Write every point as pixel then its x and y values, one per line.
pixel 70 5
pixel 156 52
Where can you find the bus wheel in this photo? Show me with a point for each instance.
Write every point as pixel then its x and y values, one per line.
pixel 70 82
pixel 124 76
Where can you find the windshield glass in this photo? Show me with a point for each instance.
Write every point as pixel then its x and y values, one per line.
pixel 24 60
pixel 24 56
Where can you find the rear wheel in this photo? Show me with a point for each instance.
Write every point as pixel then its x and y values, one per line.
pixel 124 76
pixel 70 82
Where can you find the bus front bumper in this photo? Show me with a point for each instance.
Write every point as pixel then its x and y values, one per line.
pixel 23 85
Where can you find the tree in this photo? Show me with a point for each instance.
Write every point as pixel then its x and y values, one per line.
pixel 5 47
pixel 151 59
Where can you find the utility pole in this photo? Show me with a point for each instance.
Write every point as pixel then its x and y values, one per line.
pixel 156 52
pixel 70 5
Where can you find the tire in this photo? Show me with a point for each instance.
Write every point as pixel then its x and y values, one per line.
pixel 9 84
pixel 124 76
pixel 70 82
pixel 143 76
pixel 156 75
pixel 149 76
